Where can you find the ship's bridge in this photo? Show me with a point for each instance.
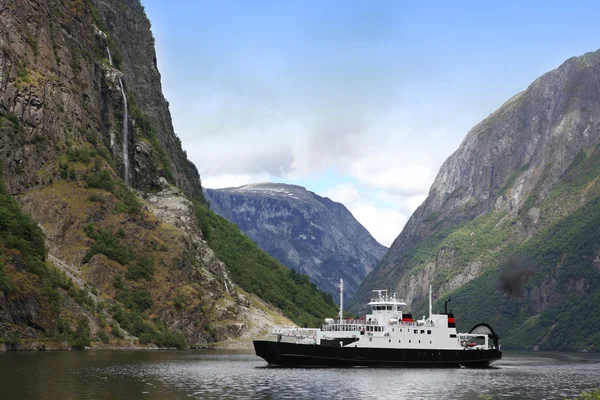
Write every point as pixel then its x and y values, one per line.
pixel 385 309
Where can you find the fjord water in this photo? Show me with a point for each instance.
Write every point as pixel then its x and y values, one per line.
pixel 240 374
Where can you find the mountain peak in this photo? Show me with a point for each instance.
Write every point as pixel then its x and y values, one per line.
pixel 304 231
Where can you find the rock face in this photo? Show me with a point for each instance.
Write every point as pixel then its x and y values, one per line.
pixel 130 262
pixel 127 23
pixel 526 168
pixel 309 233
pixel 56 80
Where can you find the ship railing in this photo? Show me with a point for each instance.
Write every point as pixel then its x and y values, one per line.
pixel 362 322
pixel 300 333
pixel 472 341
pixel 387 299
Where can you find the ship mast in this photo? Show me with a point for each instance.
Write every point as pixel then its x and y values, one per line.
pixel 429 302
pixel 341 287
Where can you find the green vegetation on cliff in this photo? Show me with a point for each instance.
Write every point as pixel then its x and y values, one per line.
pixel 257 272
pixel 560 259
pixel 18 231
pixel 24 276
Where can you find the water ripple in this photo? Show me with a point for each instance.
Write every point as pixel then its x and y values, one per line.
pixel 239 375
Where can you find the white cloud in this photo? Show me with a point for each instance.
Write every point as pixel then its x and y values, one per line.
pixel 233 180
pixel 390 160
pixel 384 224
pixel 383 214
pixel 345 193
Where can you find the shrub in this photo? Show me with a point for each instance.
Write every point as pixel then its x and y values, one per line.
pixel 129 203
pixel 145 338
pixel 97 198
pixel 116 332
pixel 13 338
pixel 138 300
pixel 81 337
pixel 100 180
pixel 103 336
pixel 108 244
pixel 6 285
pixel 118 282
pixel 172 339
pixel 141 269
pixel 81 155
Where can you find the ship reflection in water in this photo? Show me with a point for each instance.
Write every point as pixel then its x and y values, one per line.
pixel 215 374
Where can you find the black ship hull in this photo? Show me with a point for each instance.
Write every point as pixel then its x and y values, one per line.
pixel 303 355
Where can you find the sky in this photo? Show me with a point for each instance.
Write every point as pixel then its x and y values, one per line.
pixel 359 101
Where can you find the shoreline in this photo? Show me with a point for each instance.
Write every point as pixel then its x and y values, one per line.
pixel 35 346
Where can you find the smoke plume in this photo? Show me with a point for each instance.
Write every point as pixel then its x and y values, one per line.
pixel 515 271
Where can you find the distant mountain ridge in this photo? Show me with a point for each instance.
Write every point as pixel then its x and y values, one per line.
pixel 304 231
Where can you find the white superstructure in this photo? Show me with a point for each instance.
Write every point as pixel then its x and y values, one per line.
pixel 387 327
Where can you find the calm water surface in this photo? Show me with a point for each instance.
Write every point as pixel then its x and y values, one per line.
pixel 240 374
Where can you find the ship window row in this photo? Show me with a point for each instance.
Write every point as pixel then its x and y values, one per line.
pixel 422 331
pixel 374 328
pixel 351 328
pixel 381 308
pixel 400 341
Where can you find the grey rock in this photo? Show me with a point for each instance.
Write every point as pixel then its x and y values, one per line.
pixel 512 158
pixel 309 233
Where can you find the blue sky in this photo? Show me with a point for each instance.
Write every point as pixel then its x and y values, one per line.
pixel 360 101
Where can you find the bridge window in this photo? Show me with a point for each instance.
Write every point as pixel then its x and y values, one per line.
pixel 389 308
pixel 422 331
pixel 429 332
pixel 416 331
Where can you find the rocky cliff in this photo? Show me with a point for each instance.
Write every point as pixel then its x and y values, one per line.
pixel 121 263
pixel 524 176
pixel 309 233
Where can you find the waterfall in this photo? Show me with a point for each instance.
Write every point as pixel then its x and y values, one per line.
pixel 126 176
pixel 125 136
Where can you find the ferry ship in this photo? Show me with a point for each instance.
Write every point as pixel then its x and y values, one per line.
pixel 387 337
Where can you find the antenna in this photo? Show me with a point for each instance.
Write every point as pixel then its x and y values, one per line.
pixel 430 302
pixel 341 287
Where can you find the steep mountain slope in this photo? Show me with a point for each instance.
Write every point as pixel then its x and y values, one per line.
pixel 122 264
pixel 309 233
pixel 523 182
